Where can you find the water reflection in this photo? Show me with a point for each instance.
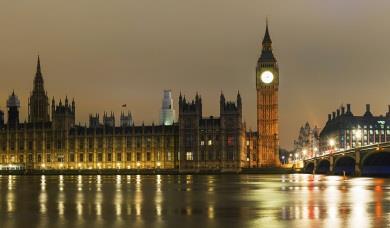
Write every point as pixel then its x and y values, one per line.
pixel 227 200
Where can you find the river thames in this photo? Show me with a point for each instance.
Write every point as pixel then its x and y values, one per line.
pixel 295 200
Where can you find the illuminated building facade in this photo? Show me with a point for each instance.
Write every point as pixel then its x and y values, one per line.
pixel 192 144
pixel 307 143
pixel 212 143
pixel 343 130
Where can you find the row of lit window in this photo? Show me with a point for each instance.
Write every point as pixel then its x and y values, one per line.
pixel 89 158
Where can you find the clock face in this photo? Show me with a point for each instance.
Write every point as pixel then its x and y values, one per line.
pixel 267 77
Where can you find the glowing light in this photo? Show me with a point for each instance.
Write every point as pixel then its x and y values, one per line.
pixel 158 164
pixel 331 142
pixel 138 164
pixel 267 77
pixel 358 134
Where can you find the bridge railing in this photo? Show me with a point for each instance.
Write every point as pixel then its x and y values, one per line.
pixel 351 150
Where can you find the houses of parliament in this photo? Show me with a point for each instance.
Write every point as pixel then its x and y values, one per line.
pixel 50 138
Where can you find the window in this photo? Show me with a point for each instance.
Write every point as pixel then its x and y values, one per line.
pixel 71 157
pixel 148 143
pixel 138 156
pixel 81 157
pixel 148 156
pixel 109 157
pixel 100 143
pixel 188 140
pixel 60 158
pixel 210 142
pixel 90 157
pixel 90 143
pixel 47 158
pixel 48 145
pixel 59 145
pixel 230 140
pixel 128 143
pixel 100 157
pixel 118 144
pixel 119 157
pixel 128 157
pixel 189 156
pixel 169 156
pixel 202 143
pixel 247 142
pixel 39 158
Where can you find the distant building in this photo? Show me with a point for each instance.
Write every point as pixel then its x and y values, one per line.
pixel 94 121
pixel 167 115
pixel 13 105
pixel 344 130
pixel 126 120
pixel 307 143
pixel 109 120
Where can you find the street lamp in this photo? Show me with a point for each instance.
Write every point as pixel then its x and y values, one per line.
pixel 315 151
pixel 304 152
pixel 358 136
pixel 331 143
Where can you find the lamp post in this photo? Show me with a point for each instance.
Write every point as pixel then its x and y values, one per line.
pixel 304 153
pixel 358 137
pixel 315 151
pixel 331 143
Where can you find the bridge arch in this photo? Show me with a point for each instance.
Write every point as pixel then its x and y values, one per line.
pixel 344 164
pixel 309 167
pixel 323 166
pixel 376 163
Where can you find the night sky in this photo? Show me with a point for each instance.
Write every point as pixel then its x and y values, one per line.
pixel 108 53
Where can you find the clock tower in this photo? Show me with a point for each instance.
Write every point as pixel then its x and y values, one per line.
pixel 267 85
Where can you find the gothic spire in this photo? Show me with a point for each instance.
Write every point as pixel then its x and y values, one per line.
pixel 266 53
pixel 39 66
pixel 267 37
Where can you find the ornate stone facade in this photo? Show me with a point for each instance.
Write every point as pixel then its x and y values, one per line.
pixel 194 144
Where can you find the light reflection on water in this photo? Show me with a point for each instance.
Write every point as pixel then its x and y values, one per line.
pixel 204 200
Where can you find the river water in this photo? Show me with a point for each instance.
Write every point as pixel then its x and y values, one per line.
pixel 295 200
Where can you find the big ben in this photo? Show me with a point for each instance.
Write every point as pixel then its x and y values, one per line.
pixel 267 85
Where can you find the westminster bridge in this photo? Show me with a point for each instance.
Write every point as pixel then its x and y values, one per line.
pixel 360 161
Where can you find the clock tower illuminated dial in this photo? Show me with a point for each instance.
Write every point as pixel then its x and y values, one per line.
pixel 267 77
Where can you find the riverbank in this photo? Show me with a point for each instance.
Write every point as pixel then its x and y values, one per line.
pixel 146 172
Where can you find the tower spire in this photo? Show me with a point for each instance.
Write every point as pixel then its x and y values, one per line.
pixel 266 53
pixel 38 66
pixel 267 37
